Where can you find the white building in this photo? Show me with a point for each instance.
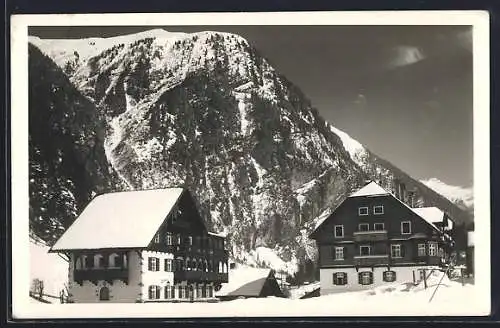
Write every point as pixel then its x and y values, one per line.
pixel 143 246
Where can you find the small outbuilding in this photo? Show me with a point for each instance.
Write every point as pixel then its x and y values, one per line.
pixel 247 282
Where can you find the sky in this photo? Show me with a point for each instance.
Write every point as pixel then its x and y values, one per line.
pixel 404 92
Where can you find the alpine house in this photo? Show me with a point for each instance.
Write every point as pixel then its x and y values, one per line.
pixel 373 238
pixel 143 246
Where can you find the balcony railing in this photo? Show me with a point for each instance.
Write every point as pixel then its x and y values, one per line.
pixel 185 251
pixel 107 274
pixel 201 276
pixel 370 260
pixel 371 235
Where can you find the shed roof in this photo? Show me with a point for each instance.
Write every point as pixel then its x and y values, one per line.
pixel 127 219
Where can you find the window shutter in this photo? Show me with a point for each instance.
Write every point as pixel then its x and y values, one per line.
pixel 158 290
pixel 403 250
pixel 150 292
pixel 334 278
pixel 345 254
pixel 360 280
pixel 371 277
pixel 157 264
pixel 150 264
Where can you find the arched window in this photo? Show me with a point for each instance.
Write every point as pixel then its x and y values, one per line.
pixel 224 269
pixel 220 267
pixel 104 294
pixel 188 264
pixel 205 266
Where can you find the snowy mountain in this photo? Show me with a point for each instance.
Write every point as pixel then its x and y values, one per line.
pixel 207 111
pixel 463 197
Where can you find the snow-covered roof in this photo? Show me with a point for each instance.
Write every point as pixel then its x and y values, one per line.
pixel 222 235
pixel 127 219
pixel 430 214
pixel 371 189
pixel 244 281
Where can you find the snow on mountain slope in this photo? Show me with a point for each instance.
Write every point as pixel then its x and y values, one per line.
pixel 456 194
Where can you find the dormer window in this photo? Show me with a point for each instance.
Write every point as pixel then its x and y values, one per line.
pixel 157 238
pixel 362 211
pixel 378 210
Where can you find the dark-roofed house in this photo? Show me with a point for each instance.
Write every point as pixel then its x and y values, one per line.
pixel 373 238
pixel 143 246
pixel 247 282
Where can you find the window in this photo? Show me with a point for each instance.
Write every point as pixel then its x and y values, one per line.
pixel 103 261
pixel 169 291
pixel 190 240
pixel 379 209
pixel 153 264
pixel 89 261
pixel 389 276
pixel 365 250
pixel 104 294
pixel 198 293
pixel 396 251
pixel 340 278
pixel 154 292
pixel 168 265
pixel 181 292
pixel 169 239
pixel 210 291
pixel 363 227
pixel 378 226
pixel 119 261
pixel 157 238
pixel 405 227
pixel 339 231
pixel 433 249
pixel 339 253
pixel 421 250
pixel 203 291
pixel 362 211
pixel 365 278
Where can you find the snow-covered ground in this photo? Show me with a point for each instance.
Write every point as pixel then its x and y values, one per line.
pixel 48 267
pixel 399 299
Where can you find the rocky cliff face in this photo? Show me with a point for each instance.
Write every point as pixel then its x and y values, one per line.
pixel 207 111
pixel 67 163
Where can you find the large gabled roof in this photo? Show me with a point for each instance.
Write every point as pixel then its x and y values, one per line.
pixel 128 219
pixel 372 189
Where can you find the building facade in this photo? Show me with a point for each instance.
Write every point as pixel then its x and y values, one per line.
pixel 143 246
pixel 372 238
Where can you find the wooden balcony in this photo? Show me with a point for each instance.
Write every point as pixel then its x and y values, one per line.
pixel 200 276
pixel 371 260
pixel 368 236
pixel 106 274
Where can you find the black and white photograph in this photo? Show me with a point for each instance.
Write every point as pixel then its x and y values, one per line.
pixel 267 164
